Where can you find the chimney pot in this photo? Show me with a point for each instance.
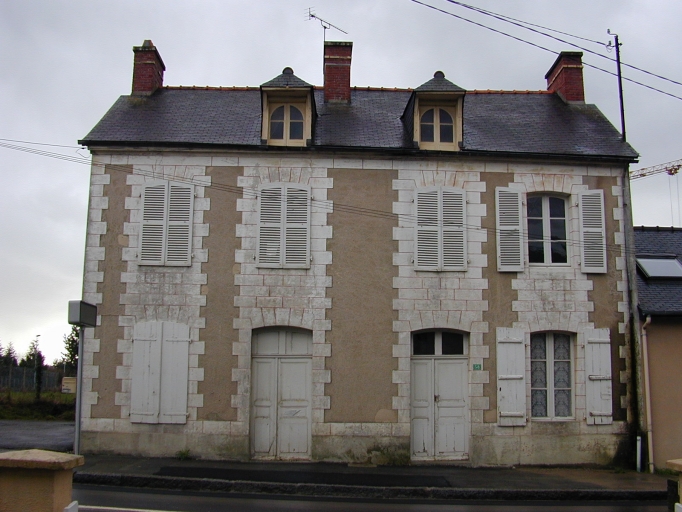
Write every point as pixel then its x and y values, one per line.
pixel 565 77
pixel 337 60
pixel 148 68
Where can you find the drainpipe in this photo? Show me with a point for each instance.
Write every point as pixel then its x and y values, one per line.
pixel 647 395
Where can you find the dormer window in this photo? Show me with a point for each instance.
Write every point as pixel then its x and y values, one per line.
pixel 288 110
pixel 286 123
pixel 437 126
pixel 435 109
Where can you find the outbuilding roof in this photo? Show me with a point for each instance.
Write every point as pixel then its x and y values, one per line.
pixel 538 123
pixel 659 296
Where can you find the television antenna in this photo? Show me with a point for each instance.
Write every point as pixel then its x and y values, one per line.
pixel 325 24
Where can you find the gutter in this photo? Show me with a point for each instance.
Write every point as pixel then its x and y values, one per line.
pixel 647 395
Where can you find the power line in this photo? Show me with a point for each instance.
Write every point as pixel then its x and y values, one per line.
pixel 323 205
pixel 42 144
pixel 520 23
pixel 541 47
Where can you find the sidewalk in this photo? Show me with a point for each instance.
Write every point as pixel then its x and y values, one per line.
pixel 339 480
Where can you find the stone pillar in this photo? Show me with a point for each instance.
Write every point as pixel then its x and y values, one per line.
pixel 36 480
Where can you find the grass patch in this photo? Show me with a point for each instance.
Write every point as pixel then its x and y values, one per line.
pixel 52 406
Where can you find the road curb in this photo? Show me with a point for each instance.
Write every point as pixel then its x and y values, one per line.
pixel 361 491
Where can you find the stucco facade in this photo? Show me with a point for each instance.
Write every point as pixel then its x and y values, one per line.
pixel 363 302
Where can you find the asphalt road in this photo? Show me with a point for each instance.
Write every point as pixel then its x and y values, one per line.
pixel 25 435
pixel 91 498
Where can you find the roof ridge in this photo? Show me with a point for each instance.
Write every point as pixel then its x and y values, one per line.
pixel 355 88
pixel 210 88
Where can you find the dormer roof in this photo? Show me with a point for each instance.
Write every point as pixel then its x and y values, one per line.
pixel 439 84
pixel 287 80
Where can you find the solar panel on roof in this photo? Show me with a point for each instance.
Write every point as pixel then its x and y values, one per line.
pixel 660 267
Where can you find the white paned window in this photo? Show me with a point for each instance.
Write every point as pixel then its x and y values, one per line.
pixel 546 221
pixel 598 375
pixel 287 126
pixel 509 228
pixel 511 380
pixel 592 232
pixel 284 226
pixel 440 237
pixel 166 228
pixel 551 375
pixel 160 373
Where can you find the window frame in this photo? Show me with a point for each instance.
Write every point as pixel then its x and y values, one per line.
pixel 286 139
pixel 436 144
pixel 550 385
pixel 546 229
pixel 438 344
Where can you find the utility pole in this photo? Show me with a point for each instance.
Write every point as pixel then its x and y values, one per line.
pixel 620 82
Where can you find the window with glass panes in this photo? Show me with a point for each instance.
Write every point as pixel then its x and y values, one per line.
pixel 437 126
pixel 547 230
pixel 551 375
pixel 286 124
pixel 438 343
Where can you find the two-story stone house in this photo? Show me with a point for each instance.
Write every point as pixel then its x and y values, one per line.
pixel 353 274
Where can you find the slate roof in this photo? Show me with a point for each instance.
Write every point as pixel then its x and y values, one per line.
pixel 494 122
pixel 659 296
pixel 439 84
pixel 286 79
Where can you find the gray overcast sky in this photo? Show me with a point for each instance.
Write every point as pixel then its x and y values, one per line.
pixel 64 63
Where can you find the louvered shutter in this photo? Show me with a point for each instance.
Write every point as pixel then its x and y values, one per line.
pixel 270 219
pixel 146 372
pixel 592 232
pixel 153 228
pixel 598 375
pixel 511 377
pixel 297 227
pixel 428 230
pixel 509 225
pixel 174 373
pixel 179 224
pixel 454 239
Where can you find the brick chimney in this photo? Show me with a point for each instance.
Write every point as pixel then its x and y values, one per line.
pixel 148 69
pixel 337 57
pixel 566 77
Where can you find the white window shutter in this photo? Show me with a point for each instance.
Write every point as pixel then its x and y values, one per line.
pixel 511 377
pixel 179 231
pixel 454 232
pixel 509 225
pixel 427 233
pixel 592 232
pixel 174 373
pixel 153 228
pixel 297 227
pixel 146 374
pixel 270 229
pixel 598 377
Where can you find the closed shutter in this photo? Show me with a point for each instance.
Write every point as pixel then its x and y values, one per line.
pixel 453 207
pixel 166 229
pixel 598 375
pixel 297 227
pixel 509 225
pixel 511 380
pixel 179 235
pixel 592 232
pixel 440 235
pixel 174 373
pixel 284 226
pixel 153 228
pixel 146 374
pixel 427 233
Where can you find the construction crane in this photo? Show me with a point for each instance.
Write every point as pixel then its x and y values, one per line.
pixel 672 168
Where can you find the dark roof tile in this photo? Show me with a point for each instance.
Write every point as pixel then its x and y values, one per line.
pixel 659 296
